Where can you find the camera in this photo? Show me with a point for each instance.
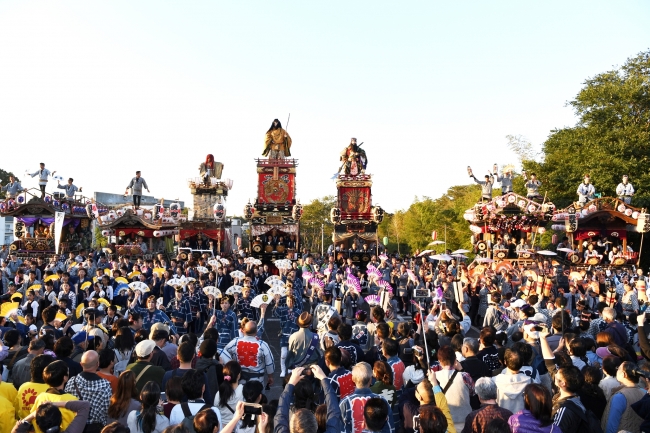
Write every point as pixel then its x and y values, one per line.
pixel 252 409
pixel 421 293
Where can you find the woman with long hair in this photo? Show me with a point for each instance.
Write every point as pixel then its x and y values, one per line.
pixel 252 393
pixel 536 416
pixel 591 395
pixel 384 384
pixel 230 391
pixel 123 347
pixel 125 399
pixel 147 419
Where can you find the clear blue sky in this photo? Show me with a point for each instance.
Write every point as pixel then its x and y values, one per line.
pixel 100 89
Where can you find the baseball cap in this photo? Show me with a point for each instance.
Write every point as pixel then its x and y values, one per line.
pixel 518 303
pixel 144 348
pixel 81 336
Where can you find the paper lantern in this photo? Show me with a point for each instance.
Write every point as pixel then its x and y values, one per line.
pixel 385 241
pixel 635 215
pixel 475 229
pixel 592 208
pixel 238 242
pixel 621 208
pixel 554 239
pixel 531 208
pixel 469 215
pixel 541 230
pixel 628 212
pixel 21 199
pixel 48 199
pixel 521 203
pixel 434 235
pixel 511 198
pixel 584 212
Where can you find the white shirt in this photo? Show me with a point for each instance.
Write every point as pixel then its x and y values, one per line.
pixel 176 416
pixel 237 396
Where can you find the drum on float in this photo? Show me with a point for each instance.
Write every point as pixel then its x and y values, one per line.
pixel 574 258
pixel 257 246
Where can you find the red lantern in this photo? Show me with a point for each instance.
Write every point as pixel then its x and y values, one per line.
pixel 434 235
pixel 554 239
pixel 238 242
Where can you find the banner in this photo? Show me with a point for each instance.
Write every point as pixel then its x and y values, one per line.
pixel 276 189
pixel 58 228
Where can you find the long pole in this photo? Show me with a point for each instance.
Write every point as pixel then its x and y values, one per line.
pixel 535 234
pixel 322 240
pixel 638 261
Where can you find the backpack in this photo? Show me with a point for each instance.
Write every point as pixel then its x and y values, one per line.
pixel 538 363
pixel 121 362
pixel 188 421
pixel 588 421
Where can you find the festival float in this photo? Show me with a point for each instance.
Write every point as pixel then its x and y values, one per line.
pixel 275 214
pixel 207 219
pixel 355 219
pixel 156 225
pixel 508 215
pixel 601 218
pixel 34 223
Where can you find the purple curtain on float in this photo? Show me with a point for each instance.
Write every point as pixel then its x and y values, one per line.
pixel 30 221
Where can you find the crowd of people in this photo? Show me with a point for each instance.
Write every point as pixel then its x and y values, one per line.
pixel 92 342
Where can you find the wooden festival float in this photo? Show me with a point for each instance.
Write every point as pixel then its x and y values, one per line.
pixel 157 225
pixel 508 215
pixel 34 223
pixel 275 214
pixel 208 216
pixel 602 217
pixel 355 218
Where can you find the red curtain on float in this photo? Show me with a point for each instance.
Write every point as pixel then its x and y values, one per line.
pixel 216 234
pixel 586 234
pixel 145 233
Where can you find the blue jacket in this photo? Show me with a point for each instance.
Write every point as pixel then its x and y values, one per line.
pixel 352 410
pixel 334 423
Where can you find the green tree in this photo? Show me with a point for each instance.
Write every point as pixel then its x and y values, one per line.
pixel 4 179
pixel 100 240
pixel 444 214
pixel 610 138
pixel 392 227
pixel 315 223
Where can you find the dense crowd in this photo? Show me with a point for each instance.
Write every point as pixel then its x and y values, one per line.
pixel 92 342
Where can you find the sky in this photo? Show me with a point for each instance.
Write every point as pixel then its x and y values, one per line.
pixel 98 90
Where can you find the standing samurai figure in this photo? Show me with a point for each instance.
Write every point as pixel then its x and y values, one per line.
pixel 353 158
pixel 277 143
pixel 209 169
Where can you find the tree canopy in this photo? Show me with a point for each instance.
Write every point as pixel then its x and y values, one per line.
pixel 610 138
pixel 316 217
pixel 4 179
